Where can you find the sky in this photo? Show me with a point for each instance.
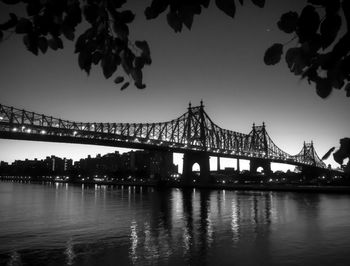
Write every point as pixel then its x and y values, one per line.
pixel 220 61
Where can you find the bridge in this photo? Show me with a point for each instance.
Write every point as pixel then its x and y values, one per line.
pixel 194 134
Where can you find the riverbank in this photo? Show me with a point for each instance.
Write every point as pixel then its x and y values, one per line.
pixel 240 187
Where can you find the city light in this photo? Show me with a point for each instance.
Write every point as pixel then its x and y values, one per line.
pixel 43 132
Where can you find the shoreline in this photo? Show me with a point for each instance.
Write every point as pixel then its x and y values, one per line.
pixel 239 187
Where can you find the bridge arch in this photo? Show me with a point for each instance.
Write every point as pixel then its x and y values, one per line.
pixel 196 167
pixel 256 164
pixel 190 160
pixel 260 169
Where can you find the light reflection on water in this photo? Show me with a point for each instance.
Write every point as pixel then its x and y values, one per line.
pixel 61 224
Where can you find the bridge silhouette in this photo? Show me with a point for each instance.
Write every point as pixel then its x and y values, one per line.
pixel 194 134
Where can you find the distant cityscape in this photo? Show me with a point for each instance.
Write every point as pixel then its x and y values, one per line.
pixel 139 164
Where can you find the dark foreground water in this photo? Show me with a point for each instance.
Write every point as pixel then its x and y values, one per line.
pixel 61 224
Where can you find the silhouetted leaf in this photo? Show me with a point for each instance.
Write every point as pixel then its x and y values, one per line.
pixel 241 2
pixel 308 23
pixel 143 45
pixel 127 63
pixel 347 89
pixel 43 45
pixel 33 7
pixel 273 54
pixel 109 65
pixel 139 62
pixel 10 23
pixel 205 3
pixel 136 74
pixel 96 57
pixel 174 21
pixel 325 157
pixel 332 6
pixel 126 16
pixel 140 86
pixel 186 16
pixel 1 35
pixel 53 44
pixel 59 42
pixel 313 45
pixel 343 151
pixel 329 29
pixel 31 42
pixel 341 48
pixel 227 6
pixel 259 3
pixel 118 80
pixel 91 13
pixel 336 75
pixel 74 16
pixel 323 87
pixel 291 55
pixel 311 74
pixel 42 24
pixel 157 7
pixel 80 43
pixel 117 4
pixel 288 22
pixel 125 85
pixel 121 29
pixel 24 26
pixel 68 32
pixel 295 60
pixel 85 61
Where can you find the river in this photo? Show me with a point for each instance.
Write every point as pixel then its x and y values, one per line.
pixel 64 224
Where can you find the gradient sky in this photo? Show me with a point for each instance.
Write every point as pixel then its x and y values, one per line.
pixel 220 61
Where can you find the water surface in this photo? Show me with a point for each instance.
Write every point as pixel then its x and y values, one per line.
pixel 63 224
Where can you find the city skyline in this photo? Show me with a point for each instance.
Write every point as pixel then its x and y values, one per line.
pixel 220 61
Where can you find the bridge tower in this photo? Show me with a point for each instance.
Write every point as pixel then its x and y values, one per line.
pixel 195 131
pixel 259 144
pixel 308 155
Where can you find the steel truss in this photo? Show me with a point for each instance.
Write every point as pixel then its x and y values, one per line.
pixel 194 130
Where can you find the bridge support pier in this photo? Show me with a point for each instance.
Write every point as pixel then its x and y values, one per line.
pixel 256 163
pixel 189 159
pixel 311 172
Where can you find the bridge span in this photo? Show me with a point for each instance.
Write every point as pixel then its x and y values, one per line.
pixel 193 133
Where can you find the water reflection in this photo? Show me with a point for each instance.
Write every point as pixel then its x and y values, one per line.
pixel 69 252
pixel 235 220
pixel 197 219
pixel 15 259
pixel 100 225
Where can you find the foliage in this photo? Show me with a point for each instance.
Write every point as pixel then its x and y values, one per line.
pixel 105 41
pixel 320 55
pixel 343 153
